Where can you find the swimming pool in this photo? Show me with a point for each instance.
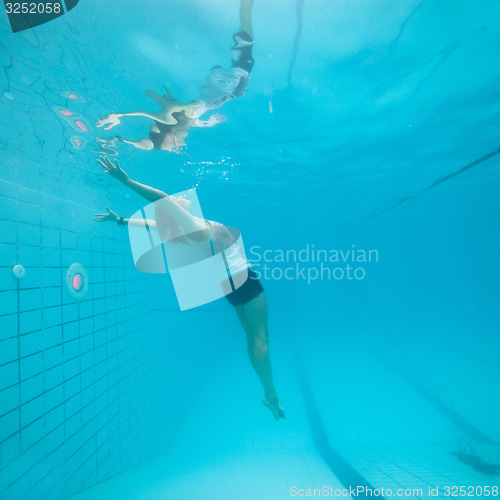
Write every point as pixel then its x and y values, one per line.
pixel 359 160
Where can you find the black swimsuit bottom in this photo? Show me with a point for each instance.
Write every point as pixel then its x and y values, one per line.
pixel 246 292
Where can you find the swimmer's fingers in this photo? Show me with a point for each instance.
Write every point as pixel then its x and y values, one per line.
pixel 111 125
pixel 108 121
pixel 111 213
pixel 103 122
pixel 106 171
pixel 119 173
pixel 113 169
pixel 104 217
pixel 101 162
pixel 106 164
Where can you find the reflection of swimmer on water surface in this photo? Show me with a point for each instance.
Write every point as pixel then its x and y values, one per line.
pixel 168 106
pixel 173 121
pixel 222 85
pixel 171 137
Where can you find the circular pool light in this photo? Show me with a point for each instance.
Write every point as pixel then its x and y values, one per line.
pixel 77 281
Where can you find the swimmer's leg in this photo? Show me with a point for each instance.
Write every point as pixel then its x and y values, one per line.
pixel 241 52
pixel 246 16
pixel 253 318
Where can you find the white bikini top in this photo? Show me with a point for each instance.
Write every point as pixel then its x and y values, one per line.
pixel 220 241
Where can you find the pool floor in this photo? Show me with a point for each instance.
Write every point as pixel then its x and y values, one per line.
pixel 229 447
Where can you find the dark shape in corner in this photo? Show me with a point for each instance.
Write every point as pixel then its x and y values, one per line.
pixel 461 422
pixel 39 12
pixel 343 470
pixel 477 463
pixel 70 4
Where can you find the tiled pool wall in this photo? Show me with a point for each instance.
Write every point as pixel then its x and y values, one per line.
pixel 87 388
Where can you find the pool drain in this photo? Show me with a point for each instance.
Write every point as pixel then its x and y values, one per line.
pixel 18 271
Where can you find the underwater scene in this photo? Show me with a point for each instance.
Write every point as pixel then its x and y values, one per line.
pixel 249 250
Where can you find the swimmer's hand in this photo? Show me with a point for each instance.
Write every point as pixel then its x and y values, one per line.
pixel 110 216
pixel 113 169
pixel 109 121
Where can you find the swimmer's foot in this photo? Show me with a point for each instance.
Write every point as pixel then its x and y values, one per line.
pixel 272 403
pixel 109 121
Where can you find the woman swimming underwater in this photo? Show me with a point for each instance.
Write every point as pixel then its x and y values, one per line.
pixel 248 300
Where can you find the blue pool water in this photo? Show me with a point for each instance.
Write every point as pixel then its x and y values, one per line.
pixel 365 127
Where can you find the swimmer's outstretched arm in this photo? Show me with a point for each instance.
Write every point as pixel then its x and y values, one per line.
pixel 151 194
pixel 189 223
pixel 168 107
pixel 113 119
pixel 114 217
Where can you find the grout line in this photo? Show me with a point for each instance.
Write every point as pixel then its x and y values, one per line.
pixel 17 185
